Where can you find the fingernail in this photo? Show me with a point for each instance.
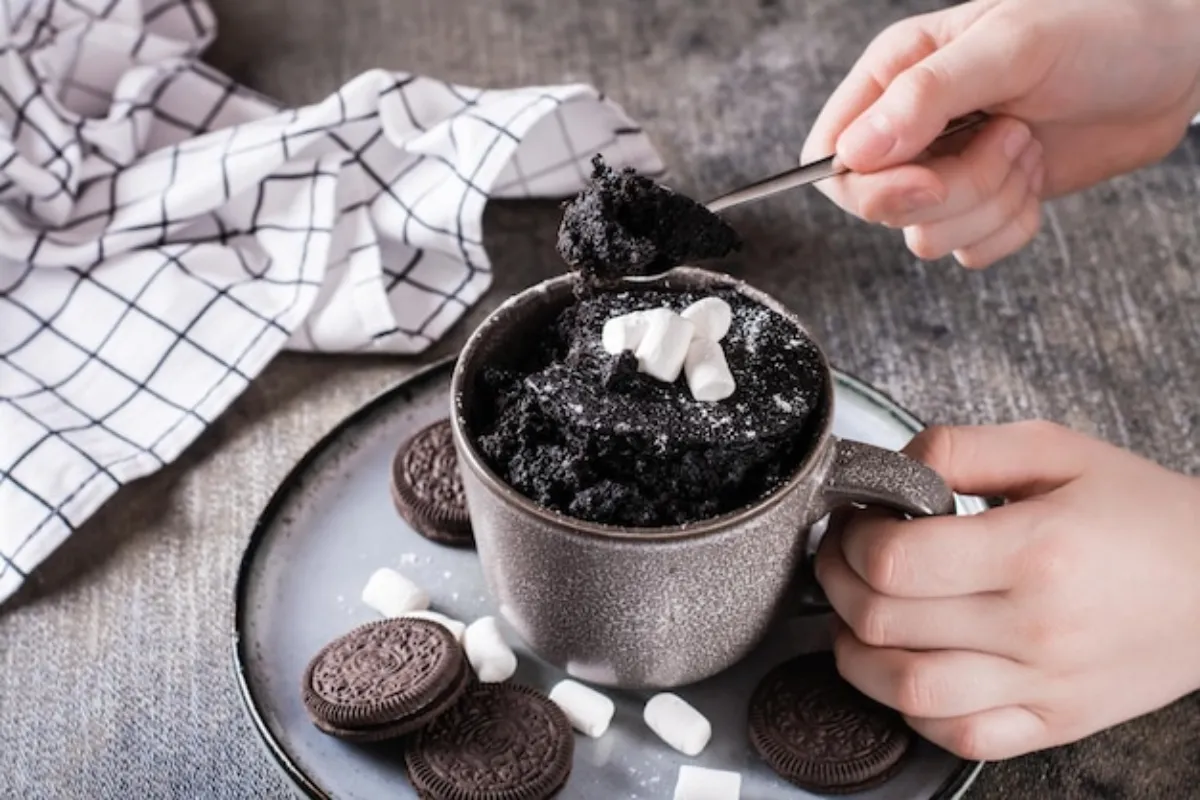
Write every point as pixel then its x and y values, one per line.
pixel 1015 141
pixel 1038 180
pixel 918 199
pixel 868 139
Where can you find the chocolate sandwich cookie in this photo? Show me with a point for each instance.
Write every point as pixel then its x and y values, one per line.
pixel 822 734
pixel 384 679
pixel 501 741
pixel 427 488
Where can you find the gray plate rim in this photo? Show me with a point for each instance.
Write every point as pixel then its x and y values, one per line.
pixel 953 787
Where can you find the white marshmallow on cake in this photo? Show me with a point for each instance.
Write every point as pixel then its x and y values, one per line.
pixel 711 317
pixel 664 345
pixel 708 375
pixel 624 332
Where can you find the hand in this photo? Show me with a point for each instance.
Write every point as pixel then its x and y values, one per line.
pixel 1071 609
pixel 1085 90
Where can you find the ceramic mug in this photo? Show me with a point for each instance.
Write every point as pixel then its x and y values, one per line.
pixel 642 608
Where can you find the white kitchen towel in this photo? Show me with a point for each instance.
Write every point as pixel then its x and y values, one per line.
pixel 164 232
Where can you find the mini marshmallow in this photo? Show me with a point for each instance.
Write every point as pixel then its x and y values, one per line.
pixel 677 723
pixel 707 371
pixel 699 783
pixel 589 711
pixel 712 317
pixel 664 345
pixel 392 594
pixel 456 628
pixel 490 656
pixel 624 332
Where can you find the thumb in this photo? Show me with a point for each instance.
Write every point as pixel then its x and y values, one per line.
pixel 1015 461
pixel 986 65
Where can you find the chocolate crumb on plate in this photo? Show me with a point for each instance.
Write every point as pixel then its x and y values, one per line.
pixel 384 679
pixel 624 224
pixel 501 741
pixel 427 488
pixel 820 733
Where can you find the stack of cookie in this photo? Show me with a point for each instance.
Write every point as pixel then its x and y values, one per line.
pixel 408 678
pixel 466 729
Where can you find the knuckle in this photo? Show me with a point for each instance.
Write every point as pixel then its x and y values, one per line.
pixel 874 207
pixel 967 738
pixel 871 624
pixel 916 689
pixel 1048 563
pixel 905 36
pixel 885 564
pixel 987 182
pixel 1013 194
pixel 934 446
pixel 921 244
pixel 898 33
pixel 1040 635
pixel 1020 38
pixel 921 84
pixel 841 192
pixel 1029 222
pixel 1038 430
pixel 972 258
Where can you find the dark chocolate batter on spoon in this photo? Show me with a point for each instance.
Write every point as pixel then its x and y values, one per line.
pixel 624 224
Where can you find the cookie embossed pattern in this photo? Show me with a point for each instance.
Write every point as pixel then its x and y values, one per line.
pixel 427 489
pixel 820 733
pixel 500 742
pixel 383 680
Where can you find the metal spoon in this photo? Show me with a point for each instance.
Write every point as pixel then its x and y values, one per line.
pixel 816 171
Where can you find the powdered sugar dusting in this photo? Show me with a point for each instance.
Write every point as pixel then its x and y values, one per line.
pixel 625 447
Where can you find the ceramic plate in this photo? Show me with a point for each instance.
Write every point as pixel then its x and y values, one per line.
pixel 331 524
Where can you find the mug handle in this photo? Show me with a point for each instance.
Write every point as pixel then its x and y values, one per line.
pixel 865 474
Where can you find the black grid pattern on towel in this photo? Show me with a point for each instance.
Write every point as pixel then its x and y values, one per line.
pixel 160 260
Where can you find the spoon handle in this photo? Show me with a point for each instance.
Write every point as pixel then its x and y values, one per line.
pixel 817 171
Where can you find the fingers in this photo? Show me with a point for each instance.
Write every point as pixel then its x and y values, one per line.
pixel 1005 242
pixel 971 622
pixel 936 556
pixel 940 684
pixel 970 218
pixel 977 175
pixel 1015 461
pixel 992 735
pixel 894 50
pixel 976 203
pixel 991 62
pixel 891 196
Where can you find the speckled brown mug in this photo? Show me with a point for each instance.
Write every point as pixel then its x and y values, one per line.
pixel 660 607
